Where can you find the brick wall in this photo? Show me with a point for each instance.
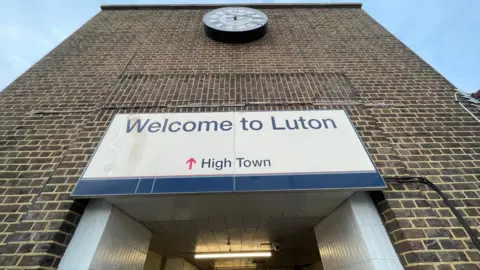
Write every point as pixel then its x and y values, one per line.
pixel 54 115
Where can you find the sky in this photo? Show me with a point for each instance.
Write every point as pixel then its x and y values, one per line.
pixel 445 33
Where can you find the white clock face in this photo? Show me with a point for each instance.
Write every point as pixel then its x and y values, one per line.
pixel 235 19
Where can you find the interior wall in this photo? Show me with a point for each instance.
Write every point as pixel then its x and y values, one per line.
pixel 153 261
pixel 188 266
pixel 317 266
pixel 179 264
pixel 353 237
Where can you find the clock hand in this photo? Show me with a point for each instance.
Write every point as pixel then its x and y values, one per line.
pixel 242 15
pixel 237 17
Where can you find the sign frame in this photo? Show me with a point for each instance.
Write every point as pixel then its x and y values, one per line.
pixel 228 183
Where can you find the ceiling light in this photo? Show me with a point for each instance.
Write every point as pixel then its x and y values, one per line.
pixel 232 255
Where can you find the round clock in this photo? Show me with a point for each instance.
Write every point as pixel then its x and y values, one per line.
pixel 235 24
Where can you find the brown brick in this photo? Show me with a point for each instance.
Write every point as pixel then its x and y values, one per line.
pixel 39 226
pixel 413 233
pixel 61 226
pixel 431 244
pixel 415 257
pixel 435 223
pixel 26 248
pixel 452 256
pixel 409 246
pixel 12 218
pixel 437 232
pixel 34 260
pixel 333 55
pixel 19 237
pixel 452 244
pixel 9 248
pixel 459 233
pixel 31 216
pixel 8 208
pixel 9 260
pixel 474 255
pixel 46 236
pixel 51 248
pixel 467 266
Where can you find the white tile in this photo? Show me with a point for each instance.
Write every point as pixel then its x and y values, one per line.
pixel 353 237
pixel 387 264
pixel 109 239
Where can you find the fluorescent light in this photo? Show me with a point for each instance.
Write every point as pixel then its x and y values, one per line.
pixel 232 255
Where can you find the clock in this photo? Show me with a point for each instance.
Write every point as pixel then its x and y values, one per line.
pixel 235 24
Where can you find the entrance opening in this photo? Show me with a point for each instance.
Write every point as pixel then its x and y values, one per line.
pixel 280 223
pixel 136 233
pixel 291 241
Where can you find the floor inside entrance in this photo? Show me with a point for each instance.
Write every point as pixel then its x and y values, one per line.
pixel 294 236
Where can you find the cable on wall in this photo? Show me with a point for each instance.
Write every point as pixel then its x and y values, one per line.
pixel 422 180
pixel 223 105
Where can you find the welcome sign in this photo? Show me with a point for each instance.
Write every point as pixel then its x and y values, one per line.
pixel 228 152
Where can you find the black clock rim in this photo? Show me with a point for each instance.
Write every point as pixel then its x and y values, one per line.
pixel 235 37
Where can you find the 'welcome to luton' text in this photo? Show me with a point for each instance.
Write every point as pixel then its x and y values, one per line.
pixel 300 123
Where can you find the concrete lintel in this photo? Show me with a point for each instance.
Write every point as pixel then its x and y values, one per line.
pixel 207 6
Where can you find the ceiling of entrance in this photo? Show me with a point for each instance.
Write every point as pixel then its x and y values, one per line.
pixel 294 236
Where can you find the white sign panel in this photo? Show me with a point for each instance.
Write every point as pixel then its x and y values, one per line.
pixel 229 151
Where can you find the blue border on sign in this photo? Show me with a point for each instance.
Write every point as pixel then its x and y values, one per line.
pixel 219 184
pixel 308 182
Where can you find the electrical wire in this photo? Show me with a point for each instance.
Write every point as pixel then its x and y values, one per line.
pixel 422 180
pixel 220 105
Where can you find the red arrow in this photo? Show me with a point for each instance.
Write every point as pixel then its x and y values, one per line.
pixel 190 162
